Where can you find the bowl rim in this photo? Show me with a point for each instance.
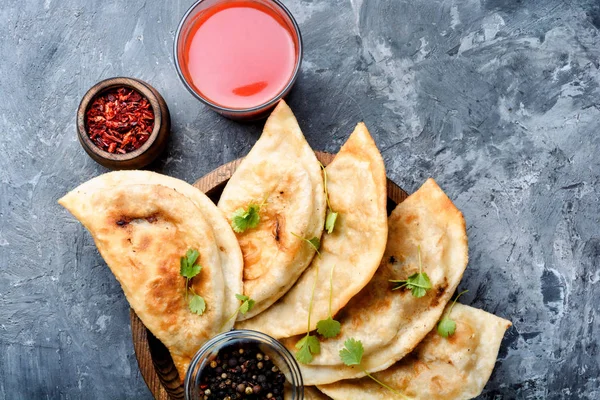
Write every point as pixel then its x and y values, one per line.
pixel 244 334
pixel 240 111
pixel 132 83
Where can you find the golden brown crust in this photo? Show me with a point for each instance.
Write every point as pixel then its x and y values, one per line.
pixel 142 230
pixel 282 173
pixel 446 369
pixel 357 191
pixel 391 323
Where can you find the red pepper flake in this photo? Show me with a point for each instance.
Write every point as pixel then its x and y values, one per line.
pixel 120 120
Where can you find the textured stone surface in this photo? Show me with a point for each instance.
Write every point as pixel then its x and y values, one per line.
pixel 498 100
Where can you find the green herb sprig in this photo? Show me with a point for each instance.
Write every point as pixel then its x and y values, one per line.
pixel 189 268
pixel 447 326
pixel 309 344
pixel 329 327
pixel 314 242
pixel 331 215
pixel 418 283
pixel 246 305
pixel 352 354
pixel 243 219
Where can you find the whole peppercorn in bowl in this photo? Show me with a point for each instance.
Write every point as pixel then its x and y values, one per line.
pixel 123 123
pixel 243 364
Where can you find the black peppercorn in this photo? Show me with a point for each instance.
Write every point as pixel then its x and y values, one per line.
pixel 238 373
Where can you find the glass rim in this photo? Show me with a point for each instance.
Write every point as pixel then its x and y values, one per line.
pixel 234 111
pixel 243 334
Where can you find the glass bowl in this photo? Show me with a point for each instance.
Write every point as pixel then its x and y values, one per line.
pixel 251 113
pixel 281 357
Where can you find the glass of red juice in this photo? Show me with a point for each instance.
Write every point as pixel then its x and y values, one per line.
pixel 239 57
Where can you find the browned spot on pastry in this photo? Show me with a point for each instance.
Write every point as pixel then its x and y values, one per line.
pixel 276 228
pixel 123 221
pixel 144 242
pixel 166 294
pixel 410 218
pixel 439 292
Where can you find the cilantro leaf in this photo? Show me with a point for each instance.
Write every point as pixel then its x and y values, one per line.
pixel 245 219
pixel 446 327
pixel 190 271
pixel 241 297
pixel 192 256
pixel 307 346
pixel 246 306
pixel 418 283
pixel 187 267
pixel 247 303
pixel 328 327
pixel 352 352
pixel 197 304
pixel 315 242
pixel 330 221
pixel 331 215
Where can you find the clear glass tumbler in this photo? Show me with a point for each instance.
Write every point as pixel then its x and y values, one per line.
pixel 252 113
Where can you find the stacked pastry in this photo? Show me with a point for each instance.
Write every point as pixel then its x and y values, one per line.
pixel 358 296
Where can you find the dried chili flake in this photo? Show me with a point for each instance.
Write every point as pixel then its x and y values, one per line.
pixel 120 120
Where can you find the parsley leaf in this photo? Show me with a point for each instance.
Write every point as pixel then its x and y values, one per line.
pixel 330 221
pixel 418 283
pixel 329 327
pixel 352 354
pixel 331 215
pixel 245 219
pixel 307 346
pixel 447 326
pixel 197 304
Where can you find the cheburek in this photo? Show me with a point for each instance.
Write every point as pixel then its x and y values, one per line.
pixel 453 368
pixel 428 220
pixel 356 184
pixel 282 175
pixel 312 393
pixel 141 231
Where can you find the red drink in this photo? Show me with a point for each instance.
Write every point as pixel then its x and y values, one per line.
pixel 238 54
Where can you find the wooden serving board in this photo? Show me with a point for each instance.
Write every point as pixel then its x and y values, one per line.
pixel 154 360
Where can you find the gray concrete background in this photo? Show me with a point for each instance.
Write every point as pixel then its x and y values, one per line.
pixel 498 100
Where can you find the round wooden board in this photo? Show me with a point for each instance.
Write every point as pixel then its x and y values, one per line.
pixel 153 358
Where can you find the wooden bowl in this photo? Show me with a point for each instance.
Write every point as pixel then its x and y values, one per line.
pixel 154 360
pixel 150 150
